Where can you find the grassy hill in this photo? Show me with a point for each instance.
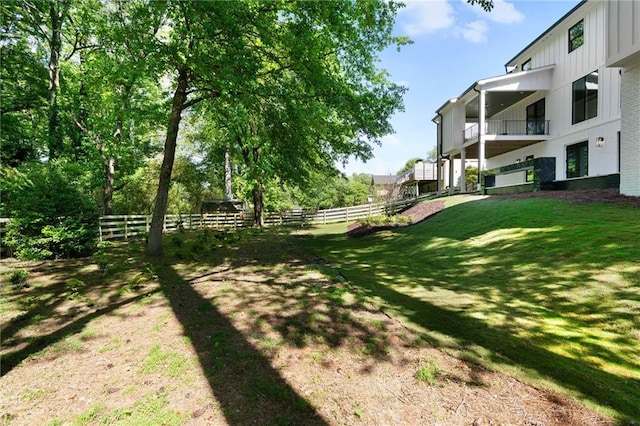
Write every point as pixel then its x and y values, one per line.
pixel 542 288
pixel 285 326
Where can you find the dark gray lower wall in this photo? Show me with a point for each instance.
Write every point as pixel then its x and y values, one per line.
pixel 512 189
pixel 595 182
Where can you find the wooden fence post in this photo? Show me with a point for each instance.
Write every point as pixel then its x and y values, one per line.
pixel 126 236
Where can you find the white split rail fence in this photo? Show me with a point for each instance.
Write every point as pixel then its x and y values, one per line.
pixel 127 226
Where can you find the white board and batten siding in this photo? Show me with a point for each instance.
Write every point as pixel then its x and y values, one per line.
pixel 553 49
pixel 623 50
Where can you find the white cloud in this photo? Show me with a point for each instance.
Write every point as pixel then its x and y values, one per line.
pixel 502 12
pixel 426 17
pixel 475 32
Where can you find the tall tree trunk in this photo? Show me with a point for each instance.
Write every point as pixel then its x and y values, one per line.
pixel 107 192
pixel 56 16
pixel 228 190
pixel 258 204
pixel 154 248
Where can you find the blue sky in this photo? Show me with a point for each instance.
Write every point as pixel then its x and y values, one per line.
pixel 455 44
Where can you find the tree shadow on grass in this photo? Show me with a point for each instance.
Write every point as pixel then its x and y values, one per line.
pixel 248 389
pixel 12 359
pixel 452 279
pixel 470 332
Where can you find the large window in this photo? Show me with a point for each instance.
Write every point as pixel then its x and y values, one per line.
pixel 585 98
pixel 576 36
pixel 577 160
pixel 535 118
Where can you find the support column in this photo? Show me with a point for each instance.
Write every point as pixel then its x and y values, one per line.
pixel 439 175
pixel 630 133
pixel 482 123
pixel 463 172
pixel 451 175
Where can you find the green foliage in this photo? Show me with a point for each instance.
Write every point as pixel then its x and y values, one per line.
pixel 330 191
pixel 385 220
pixel 101 258
pixel 471 176
pixel 169 363
pixel 74 287
pixel 428 371
pixel 52 217
pixel 23 101
pixel 18 278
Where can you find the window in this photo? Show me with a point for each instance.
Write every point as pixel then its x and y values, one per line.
pixel 527 65
pixel 576 36
pixel 577 160
pixel 585 98
pixel 536 124
pixel 530 175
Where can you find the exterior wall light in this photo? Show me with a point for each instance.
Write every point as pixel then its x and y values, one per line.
pixel 599 141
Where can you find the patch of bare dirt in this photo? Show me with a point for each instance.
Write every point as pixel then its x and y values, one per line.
pixel 254 333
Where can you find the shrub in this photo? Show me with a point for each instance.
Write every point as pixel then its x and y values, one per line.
pixel 384 220
pixel 18 278
pixel 51 217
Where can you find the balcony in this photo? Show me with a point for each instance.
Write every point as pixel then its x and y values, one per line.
pixel 510 128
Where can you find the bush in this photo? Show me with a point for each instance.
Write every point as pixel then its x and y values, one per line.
pixel 19 278
pixel 51 218
pixel 384 220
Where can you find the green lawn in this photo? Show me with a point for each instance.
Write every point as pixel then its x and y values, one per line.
pixel 545 289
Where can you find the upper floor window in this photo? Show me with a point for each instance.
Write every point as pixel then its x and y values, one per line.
pixel 585 98
pixel 576 36
pixel 527 65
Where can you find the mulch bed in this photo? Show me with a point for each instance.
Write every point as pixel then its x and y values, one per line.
pixel 417 214
pixel 583 196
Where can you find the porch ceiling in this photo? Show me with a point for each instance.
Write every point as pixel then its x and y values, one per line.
pixel 494 148
pixel 496 102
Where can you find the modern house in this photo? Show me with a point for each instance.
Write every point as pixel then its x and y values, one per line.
pixel 566 113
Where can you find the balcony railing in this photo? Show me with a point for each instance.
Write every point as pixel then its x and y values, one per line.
pixel 509 128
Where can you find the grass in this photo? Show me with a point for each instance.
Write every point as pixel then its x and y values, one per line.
pixel 149 410
pixel 542 289
pixel 169 363
pixel 428 372
pixel 537 287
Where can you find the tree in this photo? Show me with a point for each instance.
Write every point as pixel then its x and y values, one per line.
pixel 115 102
pixel 23 102
pixel 203 39
pixel 271 61
pixel 51 26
